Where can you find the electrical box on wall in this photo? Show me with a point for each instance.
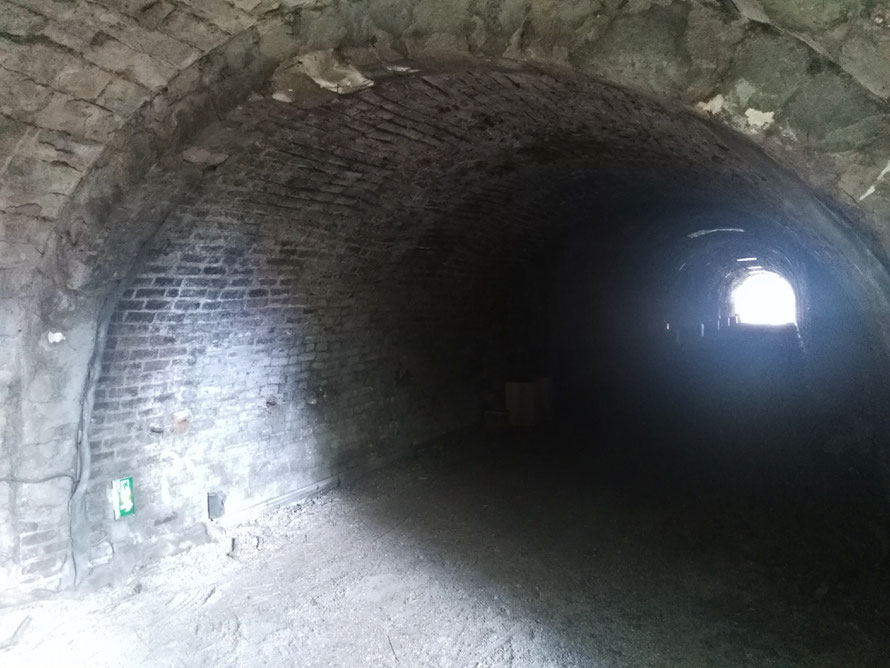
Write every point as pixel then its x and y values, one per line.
pixel 122 500
pixel 216 504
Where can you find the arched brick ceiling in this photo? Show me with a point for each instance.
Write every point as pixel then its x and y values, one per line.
pixel 411 166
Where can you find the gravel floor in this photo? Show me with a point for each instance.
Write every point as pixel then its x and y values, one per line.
pixel 467 557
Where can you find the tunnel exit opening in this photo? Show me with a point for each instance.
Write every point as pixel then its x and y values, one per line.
pixel 764 298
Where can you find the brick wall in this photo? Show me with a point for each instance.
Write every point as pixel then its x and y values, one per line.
pixel 237 361
pixel 295 320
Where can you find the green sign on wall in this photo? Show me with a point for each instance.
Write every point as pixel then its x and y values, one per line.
pixel 122 497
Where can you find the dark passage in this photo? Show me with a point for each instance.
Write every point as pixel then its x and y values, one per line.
pixel 747 450
pixel 496 310
pixel 701 500
pixel 710 511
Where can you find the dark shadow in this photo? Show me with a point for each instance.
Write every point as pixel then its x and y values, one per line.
pixel 321 306
pixel 695 504
pixel 635 548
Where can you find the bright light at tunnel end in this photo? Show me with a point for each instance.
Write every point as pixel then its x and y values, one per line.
pixel 765 298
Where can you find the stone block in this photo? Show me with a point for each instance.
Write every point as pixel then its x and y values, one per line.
pixel 50 8
pixel 221 14
pixel 117 57
pixel 75 32
pixel 712 40
pixel 836 114
pixel 33 185
pixel 123 97
pixel 81 80
pixel 29 98
pixel 18 229
pixel 32 175
pixel 867 59
pixel 192 30
pixel 78 118
pixel 43 567
pixel 57 147
pixel 644 49
pixel 21 22
pixel 13 135
pixel 39 61
pixel 767 71
pixel 150 42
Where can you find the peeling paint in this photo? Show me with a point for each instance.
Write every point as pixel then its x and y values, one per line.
pixel 200 156
pixel 401 69
pixel 327 70
pixel 874 186
pixel 712 106
pixel 760 119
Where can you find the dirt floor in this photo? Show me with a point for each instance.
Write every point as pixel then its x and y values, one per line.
pixel 476 554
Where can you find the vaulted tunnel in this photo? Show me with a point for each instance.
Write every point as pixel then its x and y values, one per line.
pixel 529 275
pixel 367 275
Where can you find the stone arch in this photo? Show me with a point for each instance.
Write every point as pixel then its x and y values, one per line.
pixel 70 229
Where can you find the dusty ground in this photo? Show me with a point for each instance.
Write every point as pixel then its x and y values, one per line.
pixel 469 560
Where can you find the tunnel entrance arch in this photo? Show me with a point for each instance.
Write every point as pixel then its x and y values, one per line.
pixel 305 215
pixel 63 257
